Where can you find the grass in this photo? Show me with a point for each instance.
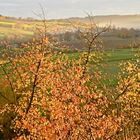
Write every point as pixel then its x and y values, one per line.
pixel 112 61
pixel 13 31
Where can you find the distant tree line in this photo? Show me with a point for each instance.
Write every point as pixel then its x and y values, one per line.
pixel 122 36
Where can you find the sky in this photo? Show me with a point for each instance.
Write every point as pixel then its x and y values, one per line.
pixel 68 8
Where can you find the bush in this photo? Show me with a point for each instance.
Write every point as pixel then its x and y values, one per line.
pixel 58 98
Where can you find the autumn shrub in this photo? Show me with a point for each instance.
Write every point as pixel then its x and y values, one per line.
pixel 58 98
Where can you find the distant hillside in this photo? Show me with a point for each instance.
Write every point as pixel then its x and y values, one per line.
pixel 18 30
pixel 127 21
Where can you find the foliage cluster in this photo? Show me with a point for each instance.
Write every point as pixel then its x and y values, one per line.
pixel 59 98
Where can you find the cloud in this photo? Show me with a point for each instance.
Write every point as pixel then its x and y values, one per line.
pixel 67 8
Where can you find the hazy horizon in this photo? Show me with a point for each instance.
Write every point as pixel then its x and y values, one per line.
pixel 65 9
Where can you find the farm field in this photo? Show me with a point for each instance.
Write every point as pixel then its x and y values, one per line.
pixel 25 28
